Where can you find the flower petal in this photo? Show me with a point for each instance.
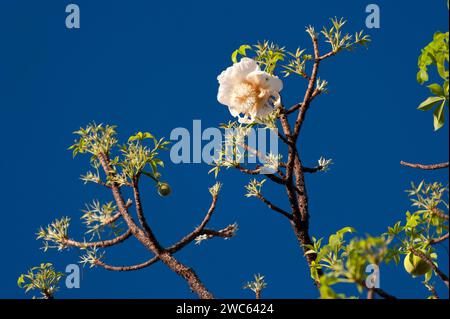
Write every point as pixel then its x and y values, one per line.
pixel 232 76
pixel 263 79
pixel 275 84
pixel 224 93
pixel 233 112
pixel 241 69
pixel 263 111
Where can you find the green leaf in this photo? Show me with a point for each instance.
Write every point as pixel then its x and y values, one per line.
pixel 310 252
pixel 346 230
pixel 158 162
pixel 140 136
pixel 436 89
pixel 234 56
pixel 438 116
pixel 428 275
pixel 20 281
pixel 429 103
pixel 242 51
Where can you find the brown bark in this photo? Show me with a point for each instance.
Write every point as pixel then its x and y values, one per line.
pixel 102 243
pixel 434 241
pixel 150 241
pixel 424 166
pixel 440 213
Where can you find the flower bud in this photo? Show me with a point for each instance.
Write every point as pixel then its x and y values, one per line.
pixel 164 189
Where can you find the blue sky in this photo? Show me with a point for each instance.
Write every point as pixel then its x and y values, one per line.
pixel 152 67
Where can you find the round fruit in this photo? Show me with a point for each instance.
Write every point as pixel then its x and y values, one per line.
pixel 415 265
pixel 164 189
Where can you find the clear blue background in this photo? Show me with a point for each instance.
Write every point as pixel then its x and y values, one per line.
pixel 152 66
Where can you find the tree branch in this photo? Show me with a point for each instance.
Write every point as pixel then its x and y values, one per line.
pixel 440 274
pixel 434 241
pixel 274 207
pixel 197 231
pixel 102 243
pixel 150 242
pixel 227 232
pixel 327 55
pixel 425 167
pixel 299 105
pixel 140 213
pixel 309 91
pixel 312 170
pixel 439 213
pixel 383 294
pixel 224 233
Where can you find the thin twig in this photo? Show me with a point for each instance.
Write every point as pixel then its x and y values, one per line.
pixel 434 241
pixel 274 207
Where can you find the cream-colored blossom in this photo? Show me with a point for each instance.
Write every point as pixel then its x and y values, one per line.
pixel 248 92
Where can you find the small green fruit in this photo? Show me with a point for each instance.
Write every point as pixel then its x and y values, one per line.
pixel 164 189
pixel 415 265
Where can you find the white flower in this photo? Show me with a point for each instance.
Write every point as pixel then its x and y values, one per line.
pixel 247 90
pixel 324 164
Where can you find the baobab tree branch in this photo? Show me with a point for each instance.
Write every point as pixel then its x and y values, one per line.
pixel 102 243
pixel 276 179
pixel 312 170
pixel 248 171
pixel 296 194
pixel 380 292
pixel 224 233
pixel 137 232
pixel 326 55
pixel 283 138
pixel 274 207
pixel 227 232
pixel 436 211
pixel 140 212
pixel 438 272
pixel 257 171
pixel 150 242
pixel 299 105
pixel 127 268
pixel 309 91
pixel 425 166
pixel 198 230
pixel 438 240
